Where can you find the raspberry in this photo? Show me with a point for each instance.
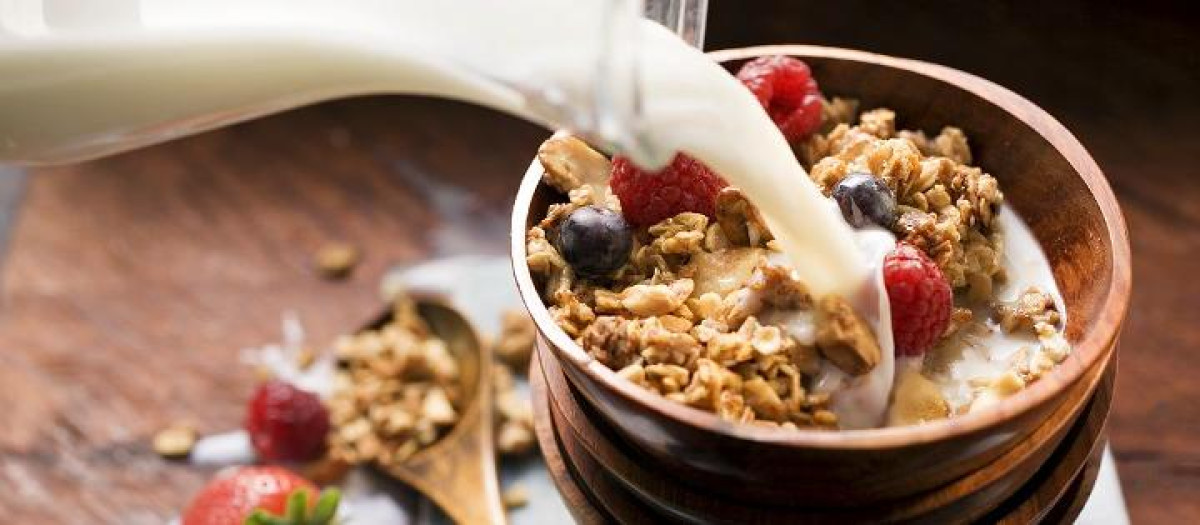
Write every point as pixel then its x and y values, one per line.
pixel 920 299
pixel 647 198
pixel 786 89
pixel 286 423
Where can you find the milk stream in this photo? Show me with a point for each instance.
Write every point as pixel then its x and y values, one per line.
pixel 83 79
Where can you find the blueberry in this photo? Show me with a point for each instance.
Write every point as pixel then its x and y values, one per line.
pixel 595 241
pixel 865 199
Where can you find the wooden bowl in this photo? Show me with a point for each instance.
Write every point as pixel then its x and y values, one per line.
pixel 1047 177
pixel 965 499
pixel 1054 494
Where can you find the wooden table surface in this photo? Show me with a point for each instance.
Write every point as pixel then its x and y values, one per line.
pixel 129 284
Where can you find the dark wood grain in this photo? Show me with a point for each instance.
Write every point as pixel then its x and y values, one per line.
pixel 131 283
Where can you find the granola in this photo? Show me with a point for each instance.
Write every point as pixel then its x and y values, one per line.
pixel 946 206
pixel 398 390
pixel 706 312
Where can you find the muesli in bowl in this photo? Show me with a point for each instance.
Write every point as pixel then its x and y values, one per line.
pixel 672 279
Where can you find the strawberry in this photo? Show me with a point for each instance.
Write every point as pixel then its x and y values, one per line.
pixel 265 495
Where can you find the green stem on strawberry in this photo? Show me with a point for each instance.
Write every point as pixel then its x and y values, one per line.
pixel 297 510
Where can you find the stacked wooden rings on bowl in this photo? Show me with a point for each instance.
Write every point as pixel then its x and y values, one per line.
pixel 620 453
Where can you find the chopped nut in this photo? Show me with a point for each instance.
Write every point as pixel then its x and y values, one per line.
pixel 305 358
pixel 916 400
pixel 766 340
pixel 514 438
pixel 780 287
pixel 175 441
pixel 763 399
pixel 610 341
pixel 671 243
pixel 514 345
pixel 879 122
pixel 648 300
pixel 838 111
pixel 571 314
pixel 952 143
pixel 546 264
pixel 1033 306
pixel 437 408
pixel 740 220
pixel 959 318
pixel 806 358
pixel 635 373
pixel 730 349
pixel 844 338
pixel 1054 345
pixel 999 388
pixel 570 163
pixel 516 496
pixel 825 418
pixel 725 271
pixel 337 260
pixel 706 306
pixel 666 378
pixel 1007 384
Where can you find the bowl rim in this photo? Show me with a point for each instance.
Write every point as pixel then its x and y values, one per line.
pixel 1094 347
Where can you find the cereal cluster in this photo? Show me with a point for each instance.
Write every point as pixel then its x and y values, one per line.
pixel 946 206
pixel 398 390
pixel 689 315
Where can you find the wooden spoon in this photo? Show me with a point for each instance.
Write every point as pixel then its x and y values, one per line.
pixel 458 472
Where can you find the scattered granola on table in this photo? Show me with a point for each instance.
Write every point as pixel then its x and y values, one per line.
pixel 336 260
pixel 671 279
pixel 514 344
pixel 175 441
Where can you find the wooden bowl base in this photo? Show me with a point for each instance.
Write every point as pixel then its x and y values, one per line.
pixel 1053 493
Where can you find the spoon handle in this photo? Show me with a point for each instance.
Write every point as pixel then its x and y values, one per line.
pixel 465 488
pixel 458 472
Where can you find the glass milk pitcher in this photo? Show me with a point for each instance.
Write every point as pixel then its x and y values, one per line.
pixel 81 79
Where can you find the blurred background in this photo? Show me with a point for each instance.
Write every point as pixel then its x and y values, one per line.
pixel 121 273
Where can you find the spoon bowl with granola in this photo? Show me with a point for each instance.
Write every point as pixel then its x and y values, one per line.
pixel 413 397
pixel 675 315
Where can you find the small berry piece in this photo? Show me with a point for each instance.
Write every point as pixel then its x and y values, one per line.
pixel 920 299
pixel 286 423
pixel 595 241
pixel 256 494
pixel 786 89
pixel 649 197
pixel 865 199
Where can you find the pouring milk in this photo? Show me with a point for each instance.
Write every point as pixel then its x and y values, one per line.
pixel 85 79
